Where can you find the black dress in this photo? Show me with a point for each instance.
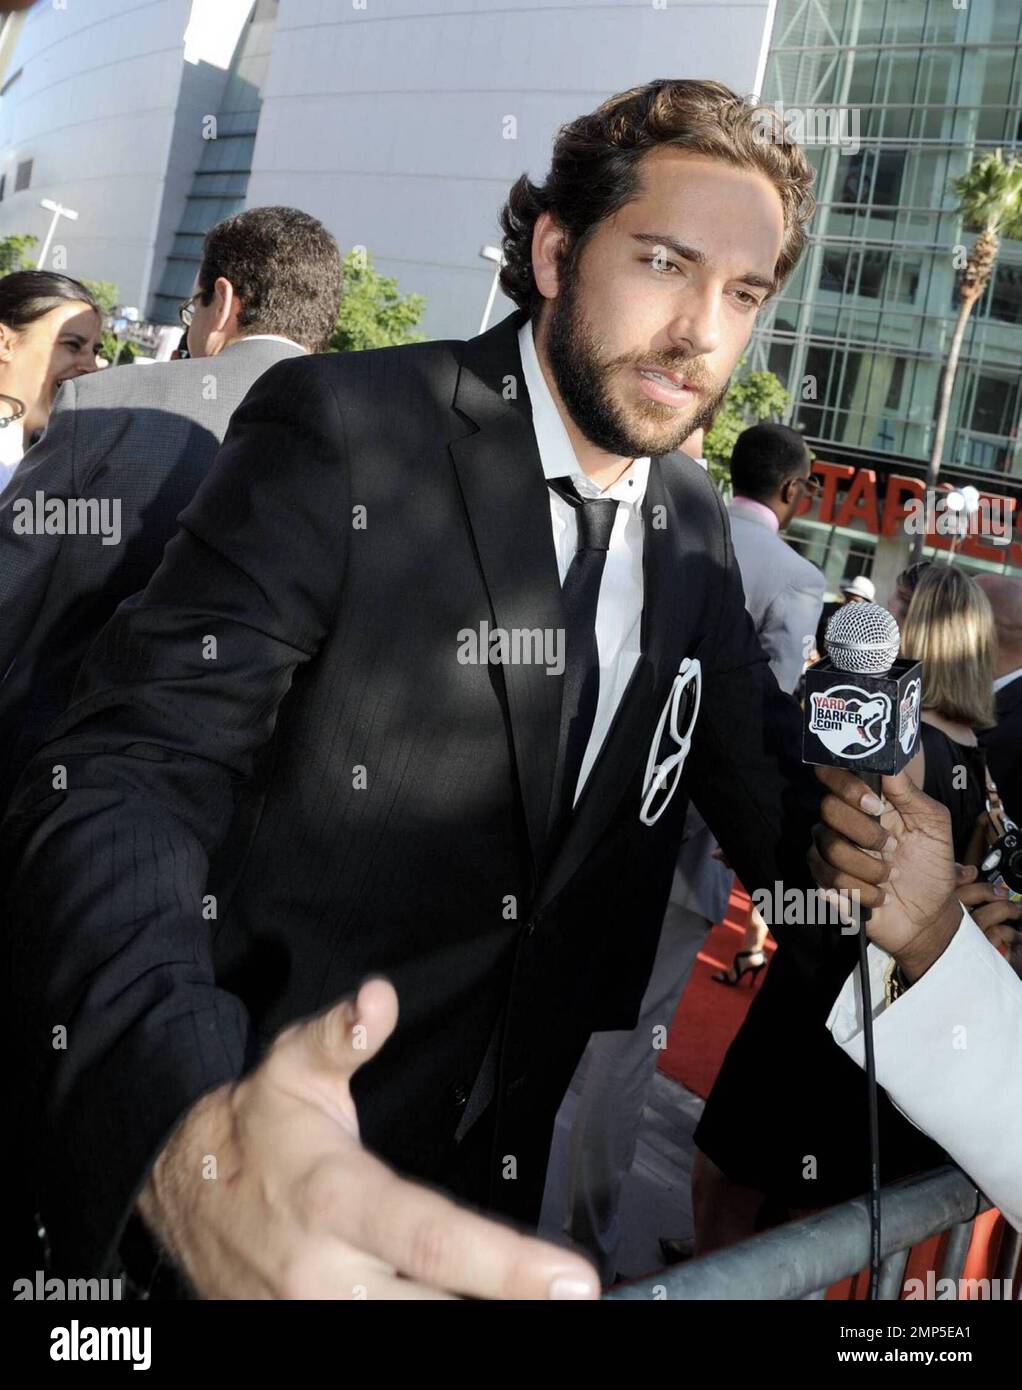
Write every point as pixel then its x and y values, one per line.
pixel 788 1113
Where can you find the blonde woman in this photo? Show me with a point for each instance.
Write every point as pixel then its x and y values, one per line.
pixel 949 627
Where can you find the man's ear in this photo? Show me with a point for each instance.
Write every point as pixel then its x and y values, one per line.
pixel 225 302
pixel 548 241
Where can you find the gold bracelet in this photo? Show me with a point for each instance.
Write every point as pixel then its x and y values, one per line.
pixel 895 983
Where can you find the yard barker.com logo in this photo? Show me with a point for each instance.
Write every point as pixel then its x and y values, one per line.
pixel 849 722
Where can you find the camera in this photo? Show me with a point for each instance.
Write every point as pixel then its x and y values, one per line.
pixel 1003 863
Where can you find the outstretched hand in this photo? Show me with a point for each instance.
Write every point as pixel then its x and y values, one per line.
pixel 300 1209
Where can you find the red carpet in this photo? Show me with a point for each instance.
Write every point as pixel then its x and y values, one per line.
pixel 709 1015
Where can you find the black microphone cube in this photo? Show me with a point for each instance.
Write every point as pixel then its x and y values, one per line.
pixel 867 723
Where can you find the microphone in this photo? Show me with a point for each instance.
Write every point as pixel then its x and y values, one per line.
pixel 862 703
pixel 862 711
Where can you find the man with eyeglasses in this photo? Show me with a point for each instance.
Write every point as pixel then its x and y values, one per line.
pixel 141 440
pixel 770 476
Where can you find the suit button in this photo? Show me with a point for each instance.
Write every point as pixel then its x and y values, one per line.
pixel 530 929
pixel 460 1095
pixel 515 1084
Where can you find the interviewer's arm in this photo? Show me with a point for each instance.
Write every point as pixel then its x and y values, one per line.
pixel 949 1054
pixel 949 1050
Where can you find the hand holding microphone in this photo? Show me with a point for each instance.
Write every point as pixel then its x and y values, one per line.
pixel 899 859
pixel 862 716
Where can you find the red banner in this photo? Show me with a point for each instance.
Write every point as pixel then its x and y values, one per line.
pixel 849 495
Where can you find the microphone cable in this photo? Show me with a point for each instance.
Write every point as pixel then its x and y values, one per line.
pixel 871 1088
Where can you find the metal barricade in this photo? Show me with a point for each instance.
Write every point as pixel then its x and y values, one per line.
pixel 802 1259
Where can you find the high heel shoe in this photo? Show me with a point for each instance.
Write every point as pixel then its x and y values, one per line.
pixel 734 975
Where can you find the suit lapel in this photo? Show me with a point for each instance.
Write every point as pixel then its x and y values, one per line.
pixel 674 566
pixel 508 505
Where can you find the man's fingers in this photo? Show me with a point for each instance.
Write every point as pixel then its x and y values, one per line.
pixel 870 895
pixel 431 1240
pixel 1003 935
pixel 854 825
pixel 847 858
pixel 1000 913
pixel 327 1269
pixel 973 894
pixel 904 795
pixel 850 789
pixel 964 873
pixel 345 1036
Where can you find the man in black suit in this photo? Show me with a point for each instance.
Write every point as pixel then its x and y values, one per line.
pixel 1003 743
pixel 422 628
pixel 129 448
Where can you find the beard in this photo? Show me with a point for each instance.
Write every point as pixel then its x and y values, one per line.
pixel 584 380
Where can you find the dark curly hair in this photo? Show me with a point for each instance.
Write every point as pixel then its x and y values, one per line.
pixel 285 268
pixel 596 163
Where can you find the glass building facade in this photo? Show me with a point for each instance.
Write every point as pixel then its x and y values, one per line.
pixel 896 98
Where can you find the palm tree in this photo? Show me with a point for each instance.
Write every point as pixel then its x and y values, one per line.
pixel 990 203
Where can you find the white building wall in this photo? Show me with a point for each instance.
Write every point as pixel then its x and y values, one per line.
pixel 94 108
pixel 388 119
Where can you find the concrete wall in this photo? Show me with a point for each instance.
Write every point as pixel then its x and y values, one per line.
pixel 94 108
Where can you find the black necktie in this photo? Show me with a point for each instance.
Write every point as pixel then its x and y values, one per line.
pixel 581 592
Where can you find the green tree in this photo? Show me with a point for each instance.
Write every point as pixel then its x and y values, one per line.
pixel 105 292
pixel 374 313
pixel 14 253
pixel 750 398
pixel 990 203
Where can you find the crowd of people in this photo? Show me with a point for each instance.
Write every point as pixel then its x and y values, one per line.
pixel 245 776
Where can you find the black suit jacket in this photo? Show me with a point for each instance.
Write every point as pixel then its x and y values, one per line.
pixel 1003 745
pixel 142 438
pixel 280 778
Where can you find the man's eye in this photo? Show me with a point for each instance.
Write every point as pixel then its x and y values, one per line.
pixel 661 263
pixel 748 299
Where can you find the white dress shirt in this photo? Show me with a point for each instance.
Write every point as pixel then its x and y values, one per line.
pixel 12 450
pixel 949 1054
pixel 1006 679
pixel 619 607
pixel 268 338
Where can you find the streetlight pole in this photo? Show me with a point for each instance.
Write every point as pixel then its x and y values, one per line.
pixel 58 211
pixel 491 253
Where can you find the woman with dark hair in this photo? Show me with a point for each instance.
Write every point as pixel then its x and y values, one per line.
pixel 50 329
